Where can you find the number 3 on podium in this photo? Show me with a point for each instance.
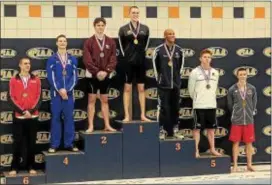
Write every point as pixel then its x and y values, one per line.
pixel 25 180
pixel 66 161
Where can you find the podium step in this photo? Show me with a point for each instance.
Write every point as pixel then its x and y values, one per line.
pixel 23 177
pixel 65 166
pixel 103 154
pixel 140 149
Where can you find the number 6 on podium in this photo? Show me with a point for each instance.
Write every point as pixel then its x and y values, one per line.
pixel 25 180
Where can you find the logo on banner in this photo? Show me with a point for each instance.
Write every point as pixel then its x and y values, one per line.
pixel 188 133
pixel 151 93
pixel 268 150
pixel 150 73
pixel 184 93
pixel 39 53
pixel 267 52
pixel 186 113
pixel 46 95
pixel 220 112
pixel 268 111
pixel 78 94
pixel 218 52
pixel 42 137
pixel 8 53
pixel 75 52
pixel 251 71
pixel 242 151
pixel 218 132
pixel 7 74
pixel 42 74
pixel 6 139
pixel 6 117
pixel 221 72
pixel 113 93
pixel 267 130
pixel 152 114
pixel 112 114
pixel 268 71
pixel 221 92
pixel 188 52
pixel 80 73
pixel 44 116
pixel 245 52
pixel 6 160
pixel 149 53
pixel 267 91
pixel 185 73
pixel 79 115
pixel 4 96
pixel 219 150
pixel 39 158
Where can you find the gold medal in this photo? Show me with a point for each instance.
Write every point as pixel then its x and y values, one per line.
pixel 170 63
pixel 25 95
pixel 64 72
pixel 244 103
pixel 135 41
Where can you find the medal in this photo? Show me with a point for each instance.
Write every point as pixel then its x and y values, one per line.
pixel 243 96
pixel 102 54
pixel 25 95
pixel 135 41
pixel 244 103
pixel 170 56
pixel 64 72
pixel 207 77
pixel 63 62
pixel 135 34
pixel 208 86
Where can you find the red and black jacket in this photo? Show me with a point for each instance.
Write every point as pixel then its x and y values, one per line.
pixel 25 99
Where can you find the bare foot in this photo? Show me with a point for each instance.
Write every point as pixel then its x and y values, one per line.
pixel 215 153
pixel 110 129
pixel 197 155
pixel 13 173
pixel 32 172
pixel 143 118
pixel 234 169
pixel 250 169
pixel 126 119
pixel 90 130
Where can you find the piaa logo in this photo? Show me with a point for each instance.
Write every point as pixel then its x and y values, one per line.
pixel 80 73
pixel 267 52
pixel 219 150
pixel 6 139
pixel 39 53
pixel 4 96
pixel 268 111
pixel 150 73
pixel 184 93
pixel 42 137
pixel 112 114
pixel 188 52
pixel 188 133
pixel 251 71
pixel 267 130
pixel 152 114
pixel 218 133
pixel 185 73
pixel 75 52
pixel 46 95
pixel 268 71
pixel 242 151
pixel 221 72
pixel 185 113
pixel 8 53
pixel 219 112
pixel 268 150
pixel 221 92
pixel 245 52
pixel 7 74
pixel 39 158
pixel 42 74
pixel 6 160
pixel 218 52
pixel 151 93
pixel 44 116
pixel 78 94
pixel 79 115
pixel 149 53
pixel 113 93
pixel 267 91
pixel 6 117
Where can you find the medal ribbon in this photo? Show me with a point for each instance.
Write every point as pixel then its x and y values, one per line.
pixel 207 77
pixel 137 29
pixel 103 43
pixel 243 93
pixel 170 56
pixel 25 81
pixel 63 62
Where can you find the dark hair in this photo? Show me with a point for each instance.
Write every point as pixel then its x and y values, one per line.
pixel 205 51
pixel 240 69
pixel 133 7
pixel 99 19
pixel 61 36
pixel 24 58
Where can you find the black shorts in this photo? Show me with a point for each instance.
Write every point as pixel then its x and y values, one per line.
pixel 205 119
pixel 135 71
pixel 94 84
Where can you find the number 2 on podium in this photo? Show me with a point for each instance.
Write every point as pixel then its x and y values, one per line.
pixel 103 140
pixel 66 161
pixel 141 128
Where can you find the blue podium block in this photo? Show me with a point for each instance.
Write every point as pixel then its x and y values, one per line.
pixel 177 157
pixel 65 166
pixel 140 149
pixel 103 154
pixel 24 178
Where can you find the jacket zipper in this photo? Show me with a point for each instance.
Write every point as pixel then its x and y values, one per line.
pixel 172 75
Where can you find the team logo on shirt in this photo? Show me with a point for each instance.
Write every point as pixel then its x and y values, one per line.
pixel 267 91
pixel 185 73
pixel 80 73
pixel 267 52
pixel 39 53
pixel 242 151
pixel 6 139
pixel 150 73
pixel 221 92
pixel 221 72
pixel 218 52
pixel 186 113
pixel 113 93
pixel 184 93
pixel 6 117
pixel 251 71
pixel 268 150
pixel 4 96
pixel 7 74
pixel 219 112
pixel 75 52
pixel 152 114
pixel 268 111
pixel 6 160
pixel 219 150
pixel 188 52
pixel 39 158
pixel 188 133
pixel 79 115
pixel 112 114
pixel 42 137
pixel 245 52
pixel 149 53
pixel 151 93
pixel 267 130
pixel 8 53
pixel 218 132
pixel 42 74
pixel 44 116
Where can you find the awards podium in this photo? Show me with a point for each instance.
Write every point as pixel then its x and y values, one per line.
pixel 135 152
